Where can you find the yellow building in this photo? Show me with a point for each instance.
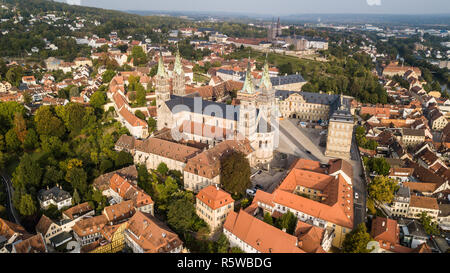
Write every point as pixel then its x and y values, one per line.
pixel 112 240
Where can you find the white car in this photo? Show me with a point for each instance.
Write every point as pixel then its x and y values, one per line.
pixel 356 195
pixel 251 192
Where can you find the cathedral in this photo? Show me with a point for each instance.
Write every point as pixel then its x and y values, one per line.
pixel 255 119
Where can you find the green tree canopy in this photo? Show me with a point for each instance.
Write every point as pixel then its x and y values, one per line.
pixel 431 228
pixel 382 188
pixel 47 123
pixel 108 75
pixel 235 173
pixel 27 205
pixel 356 241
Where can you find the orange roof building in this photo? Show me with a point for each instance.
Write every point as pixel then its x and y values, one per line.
pixel 386 232
pixel 146 234
pixel 213 205
pixel 255 236
pixel 314 197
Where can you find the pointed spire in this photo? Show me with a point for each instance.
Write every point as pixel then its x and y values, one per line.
pixel 161 70
pixel 178 68
pixel 248 83
pixel 266 84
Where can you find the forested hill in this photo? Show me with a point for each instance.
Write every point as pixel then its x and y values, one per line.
pixel 111 20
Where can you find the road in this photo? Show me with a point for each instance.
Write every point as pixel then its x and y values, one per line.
pixel 11 210
pixel 294 141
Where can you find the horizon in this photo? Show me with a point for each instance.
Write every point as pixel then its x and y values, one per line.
pixel 282 8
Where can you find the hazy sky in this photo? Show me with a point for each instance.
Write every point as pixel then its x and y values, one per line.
pixel 278 7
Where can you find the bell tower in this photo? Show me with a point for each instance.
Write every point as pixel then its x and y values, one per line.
pixel 162 88
pixel 247 109
pixel 178 76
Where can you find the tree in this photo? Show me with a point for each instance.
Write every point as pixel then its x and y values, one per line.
pixel 74 92
pixel 12 141
pixel 98 99
pixel 140 95
pixel 164 191
pixel 20 127
pixel 76 198
pixel 151 124
pixel 27 205
pixel 47 123
pixel 31 140
pixel 382 189
pixel 223 244
pixel 123 159
pixel 378 165
pixel 235 173
pixel 138 55
pixel 288 221
pixel 27 174
pixel 52 212
pixel 181 215
pixel 356 241
pixel 106 165
pixel 139 114
pixel 268 218
pixel 78 179
pixel 430 227
pixel 108 75
pixel 162 169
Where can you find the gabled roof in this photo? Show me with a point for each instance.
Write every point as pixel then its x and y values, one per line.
pixel 261 236
pixel 168 149
pixel 34 244
pixel 44 224
pixel 77 210
pixel 152 235
pixel 214 197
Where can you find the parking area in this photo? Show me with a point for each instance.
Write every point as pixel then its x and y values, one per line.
pixel 269 180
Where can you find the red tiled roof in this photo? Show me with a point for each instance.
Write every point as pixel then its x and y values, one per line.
pixel 214 198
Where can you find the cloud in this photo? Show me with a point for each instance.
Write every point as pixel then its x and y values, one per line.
pixel 374 2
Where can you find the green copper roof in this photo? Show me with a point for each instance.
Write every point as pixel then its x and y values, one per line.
pixel 266 84
pixel 178 68
pixel 248 84
pixel 161 70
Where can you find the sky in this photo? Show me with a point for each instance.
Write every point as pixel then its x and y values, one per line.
pixel 278 7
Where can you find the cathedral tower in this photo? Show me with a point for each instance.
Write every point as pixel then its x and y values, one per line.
pixel 247 109
pixel 162 89
pixel 178 76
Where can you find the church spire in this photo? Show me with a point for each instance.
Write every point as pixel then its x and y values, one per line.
pixel 248 83
pixel 266 84
pixel 161 70
pixel 178 67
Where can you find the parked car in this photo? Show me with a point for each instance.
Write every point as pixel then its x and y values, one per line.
pixel 251 192
pixel 259 187
pixel 356 195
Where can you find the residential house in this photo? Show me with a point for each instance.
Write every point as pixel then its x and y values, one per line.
pixel 54 196
pixel 146 234
pixel 213 206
